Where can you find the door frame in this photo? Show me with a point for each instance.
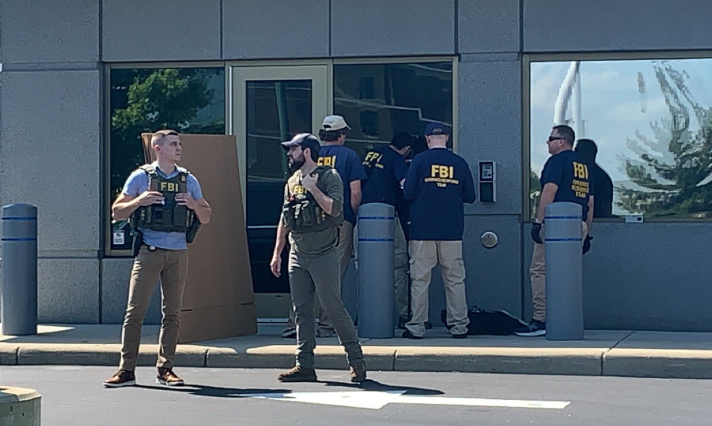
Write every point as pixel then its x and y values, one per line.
pixel 269 305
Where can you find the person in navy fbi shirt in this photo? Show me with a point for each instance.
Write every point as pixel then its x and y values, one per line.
pixel 437 184
pixel 565 178
pixel 386 170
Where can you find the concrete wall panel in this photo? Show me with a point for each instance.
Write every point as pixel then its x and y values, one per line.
pixel 160 30
pixel 613 25
pixel 49 31
pixel 275 29
pixel 490 128
pixel 488 26
pixel 68 291
pixel 50 154
pixel 395 27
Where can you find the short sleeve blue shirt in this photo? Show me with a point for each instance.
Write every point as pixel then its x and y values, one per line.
pixel 348 164
pixel 136 184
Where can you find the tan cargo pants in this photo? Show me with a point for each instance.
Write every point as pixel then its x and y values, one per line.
pixel 537 276
pixel 171 266
pixel 424 255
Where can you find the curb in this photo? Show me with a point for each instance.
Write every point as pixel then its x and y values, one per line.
pixel 648 363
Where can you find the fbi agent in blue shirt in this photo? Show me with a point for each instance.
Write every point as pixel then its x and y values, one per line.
pixel 437 185
pixel 386 170
pixel 565 178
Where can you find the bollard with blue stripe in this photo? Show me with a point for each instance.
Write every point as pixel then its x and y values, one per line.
pixel 564 290
pixel 18 295
pixel 376 230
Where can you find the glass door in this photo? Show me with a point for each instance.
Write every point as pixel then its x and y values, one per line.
pixel 270 105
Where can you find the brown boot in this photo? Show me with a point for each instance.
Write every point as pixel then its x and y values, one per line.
pixel 120 379
pixel 298 374
pixel 358 372
pixel 167 377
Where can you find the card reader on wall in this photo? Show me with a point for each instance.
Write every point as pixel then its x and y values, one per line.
pixel 488 189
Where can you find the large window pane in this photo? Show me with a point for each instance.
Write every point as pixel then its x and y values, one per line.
pixel 652 124
pixel 379 100
pixel 189 100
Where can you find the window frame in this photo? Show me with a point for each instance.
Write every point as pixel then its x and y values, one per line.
pixel 528 59
pixel 105 221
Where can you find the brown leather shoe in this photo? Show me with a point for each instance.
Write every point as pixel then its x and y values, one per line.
pixel 298 374
pixel 120 379
pixel 358 372
pixel 167 377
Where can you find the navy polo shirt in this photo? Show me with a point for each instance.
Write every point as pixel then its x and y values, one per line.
pixel 572 177
pixel 438 183
pixel 385 169
pixel 348 164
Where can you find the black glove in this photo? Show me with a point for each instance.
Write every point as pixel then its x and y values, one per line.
pixel 536 230
pixel 587 244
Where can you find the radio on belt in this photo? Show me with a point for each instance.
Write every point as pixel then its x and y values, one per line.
pixel 488 191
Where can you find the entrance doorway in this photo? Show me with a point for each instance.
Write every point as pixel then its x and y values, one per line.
pixel 270 105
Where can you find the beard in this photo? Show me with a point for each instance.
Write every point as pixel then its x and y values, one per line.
pixel 296 163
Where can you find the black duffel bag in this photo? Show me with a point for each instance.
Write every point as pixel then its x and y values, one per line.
pixel 483 321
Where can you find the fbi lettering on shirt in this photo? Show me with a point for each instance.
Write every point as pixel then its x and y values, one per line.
pixel 327 161
pixel 442 176
pixel 373 159
pixel 580 184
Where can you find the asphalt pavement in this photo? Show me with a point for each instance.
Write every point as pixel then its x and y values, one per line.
pixel 73 395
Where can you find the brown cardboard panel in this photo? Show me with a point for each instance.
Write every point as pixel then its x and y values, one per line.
pixel 218 322
pixel 219 275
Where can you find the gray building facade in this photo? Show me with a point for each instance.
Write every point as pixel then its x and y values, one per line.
pixel 55 144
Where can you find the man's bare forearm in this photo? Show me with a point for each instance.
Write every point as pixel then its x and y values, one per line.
pixel 281 240
pixel 326 203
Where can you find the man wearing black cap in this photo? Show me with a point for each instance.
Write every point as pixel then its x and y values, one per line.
pixel 311 215
pixel 386 170
pixel 437 185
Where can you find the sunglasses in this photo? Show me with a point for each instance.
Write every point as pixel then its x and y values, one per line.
pixel 554 138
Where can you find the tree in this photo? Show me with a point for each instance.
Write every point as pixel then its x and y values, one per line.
pixel 147 100
pixel 673 175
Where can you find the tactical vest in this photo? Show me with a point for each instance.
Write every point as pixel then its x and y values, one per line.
pixel 167 217
pixel 301 211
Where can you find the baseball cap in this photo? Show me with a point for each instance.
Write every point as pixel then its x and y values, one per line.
pixel 305 140
pixel 436 129
pixel 334 122
pixel 401 140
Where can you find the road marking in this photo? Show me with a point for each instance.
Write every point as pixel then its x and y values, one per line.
pixel 375 400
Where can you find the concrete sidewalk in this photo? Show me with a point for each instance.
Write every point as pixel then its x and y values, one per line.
pixel 608 353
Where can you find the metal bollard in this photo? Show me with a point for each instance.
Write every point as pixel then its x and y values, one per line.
pixel 376 227
pixel 564 291
pixel 18 295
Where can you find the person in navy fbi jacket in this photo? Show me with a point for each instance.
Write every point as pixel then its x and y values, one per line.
pixel 386 170
pixel 437 184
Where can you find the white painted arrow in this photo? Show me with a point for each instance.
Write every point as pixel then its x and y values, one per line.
pixel 375 400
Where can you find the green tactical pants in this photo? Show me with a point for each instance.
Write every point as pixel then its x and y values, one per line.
pixel 320 275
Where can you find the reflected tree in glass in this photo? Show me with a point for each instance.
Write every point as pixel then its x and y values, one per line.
pixel 147 100
pixel 673 174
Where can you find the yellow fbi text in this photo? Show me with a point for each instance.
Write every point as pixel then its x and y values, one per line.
pixel 168 187
pixel 327 161
pixel 580 187
pixel 442 175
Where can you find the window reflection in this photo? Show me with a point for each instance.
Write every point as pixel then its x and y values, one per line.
pixel 380 100
pixel 190 100
pixel 650 121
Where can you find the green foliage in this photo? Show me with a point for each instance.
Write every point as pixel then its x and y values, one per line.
pixel 672 173
pixel 148 100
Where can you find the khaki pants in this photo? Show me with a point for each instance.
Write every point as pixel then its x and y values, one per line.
pixel 171 266
pixel 400 267
pixel 424 255
pixel 344 251
pixel 537 276
pixel 319 275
